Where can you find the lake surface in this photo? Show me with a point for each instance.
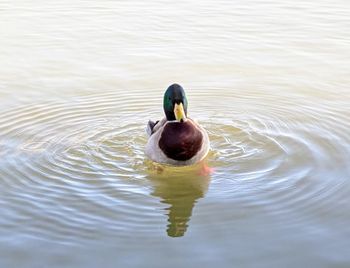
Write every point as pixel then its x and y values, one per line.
pixel 269 80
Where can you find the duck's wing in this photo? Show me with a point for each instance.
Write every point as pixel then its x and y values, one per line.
pixel 150 127
pixel 153 127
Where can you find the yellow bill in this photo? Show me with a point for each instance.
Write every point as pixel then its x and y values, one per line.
pixel 179 112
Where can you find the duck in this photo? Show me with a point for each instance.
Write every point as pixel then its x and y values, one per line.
pixel 176 139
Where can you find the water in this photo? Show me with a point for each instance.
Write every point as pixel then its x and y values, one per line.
pixel 270 82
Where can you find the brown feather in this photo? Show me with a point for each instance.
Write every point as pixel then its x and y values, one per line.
pixel 180 141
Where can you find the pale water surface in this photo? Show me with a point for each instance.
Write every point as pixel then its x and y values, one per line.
pixel 269 80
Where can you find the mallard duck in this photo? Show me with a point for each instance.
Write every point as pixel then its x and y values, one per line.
pixel 176 139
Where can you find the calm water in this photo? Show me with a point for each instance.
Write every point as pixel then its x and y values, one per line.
pixel 269 80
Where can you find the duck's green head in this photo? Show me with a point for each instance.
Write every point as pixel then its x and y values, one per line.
pixel 175 103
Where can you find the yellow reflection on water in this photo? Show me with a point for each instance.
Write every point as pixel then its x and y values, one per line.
pixel 180 188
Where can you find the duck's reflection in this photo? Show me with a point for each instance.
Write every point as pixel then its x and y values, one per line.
pixel 180 188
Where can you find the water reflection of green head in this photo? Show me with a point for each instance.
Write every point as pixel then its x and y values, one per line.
pixel 180 190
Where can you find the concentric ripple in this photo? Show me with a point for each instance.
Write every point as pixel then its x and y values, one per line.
pixel 74 170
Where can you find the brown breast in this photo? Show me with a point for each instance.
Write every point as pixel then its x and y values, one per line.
pixel 180 141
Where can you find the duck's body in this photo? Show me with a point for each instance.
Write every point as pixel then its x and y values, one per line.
pixel 176 143
pixel 176 139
